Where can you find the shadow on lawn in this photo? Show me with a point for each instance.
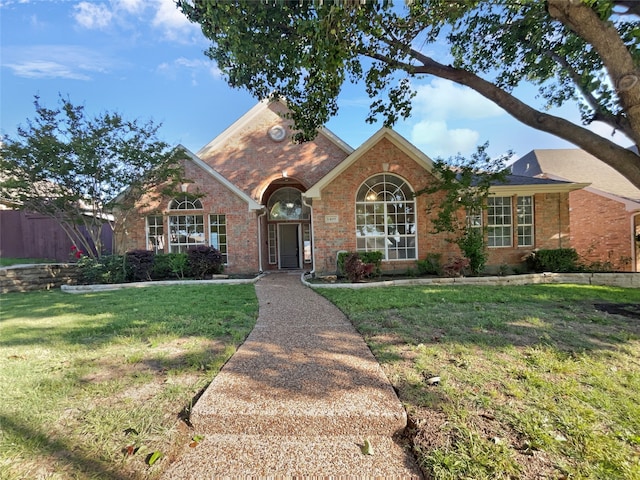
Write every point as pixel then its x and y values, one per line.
pixel 61 451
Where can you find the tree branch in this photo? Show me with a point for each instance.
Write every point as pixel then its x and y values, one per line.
pixel 621 159
pixel 617 59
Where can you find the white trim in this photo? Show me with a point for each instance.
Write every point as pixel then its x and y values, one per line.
pixel 525 190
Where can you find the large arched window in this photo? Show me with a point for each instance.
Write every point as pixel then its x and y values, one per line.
pixel 286 204
pixel 385 217
pixel 186 230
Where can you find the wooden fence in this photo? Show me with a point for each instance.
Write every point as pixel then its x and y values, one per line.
pixel 31 235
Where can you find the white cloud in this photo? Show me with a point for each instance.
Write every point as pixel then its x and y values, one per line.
pixel 193 66
pixel 172 22
pixel 439 108
pixel 442 99
pixel 54 61
pixel 436 139
pixel 44 69
pixel 92 15
pixel 129 6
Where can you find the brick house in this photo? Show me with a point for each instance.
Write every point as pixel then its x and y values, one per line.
pixel 267 203
pixel 605 215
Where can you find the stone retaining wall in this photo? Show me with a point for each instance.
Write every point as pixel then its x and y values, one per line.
pixel 45 276
pixel 626 280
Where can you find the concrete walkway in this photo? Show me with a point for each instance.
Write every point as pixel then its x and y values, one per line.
pixel 298 399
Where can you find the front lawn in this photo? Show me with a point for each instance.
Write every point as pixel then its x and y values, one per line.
pixel 92 385
pixel 535 381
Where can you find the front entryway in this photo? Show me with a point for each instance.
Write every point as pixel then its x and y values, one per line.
pixel 289 245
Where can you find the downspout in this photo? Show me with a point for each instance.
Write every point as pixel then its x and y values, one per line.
pixel 264 212
pixel 635 245
pixel 313 239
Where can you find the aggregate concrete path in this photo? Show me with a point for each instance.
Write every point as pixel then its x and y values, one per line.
pixel 297 400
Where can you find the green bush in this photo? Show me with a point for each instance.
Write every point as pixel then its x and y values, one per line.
pixel 472 246
pixel 357 270
pixel 431 265
pixel 203 261
pixel 168 266
pixel 106 269
pixel 140 264
pixel 554 260
pixel 374 258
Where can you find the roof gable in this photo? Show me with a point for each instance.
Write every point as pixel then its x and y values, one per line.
pixel 384 133
pixel 249 155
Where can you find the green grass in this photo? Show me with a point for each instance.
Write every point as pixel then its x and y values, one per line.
pixel 536 381
pixel 7 262
pixel 84 376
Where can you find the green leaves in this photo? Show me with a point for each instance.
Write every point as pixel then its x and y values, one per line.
pixel 77 169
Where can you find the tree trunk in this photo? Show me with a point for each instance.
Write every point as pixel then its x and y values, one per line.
pixel 617 59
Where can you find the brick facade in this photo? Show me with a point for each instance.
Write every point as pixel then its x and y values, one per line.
pixel 601 230
pixel 237 173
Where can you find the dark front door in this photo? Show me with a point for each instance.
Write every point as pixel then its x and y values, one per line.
pixel 289 248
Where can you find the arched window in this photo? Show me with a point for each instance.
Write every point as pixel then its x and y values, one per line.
pixel 385 217
pixel 286 204
pixel 185 203
pixel 185 231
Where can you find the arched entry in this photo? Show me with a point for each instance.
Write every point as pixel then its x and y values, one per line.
pixel 288 228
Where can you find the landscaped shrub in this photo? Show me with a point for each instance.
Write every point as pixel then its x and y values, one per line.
pixel 106 269
pixel 473 248
pixel 355 269
pixel 139 264
pixel 431 265
pixel 455 267
pixel 169 266
pixel 554 260
pixel 374 258
pixel 203 261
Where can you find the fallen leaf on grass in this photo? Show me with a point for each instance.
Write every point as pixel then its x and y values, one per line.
pixel 196 440
pixel 367 448
pixel 130 450
pixel 153 458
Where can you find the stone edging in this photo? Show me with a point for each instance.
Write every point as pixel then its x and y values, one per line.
pixel 625 280
pixel 119 286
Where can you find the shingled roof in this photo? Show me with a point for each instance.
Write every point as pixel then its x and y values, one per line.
pixel 575 165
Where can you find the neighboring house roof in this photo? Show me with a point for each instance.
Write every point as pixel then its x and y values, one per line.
pixel 523 185
pixel 398 140
pixel 252 204
pixel 578 166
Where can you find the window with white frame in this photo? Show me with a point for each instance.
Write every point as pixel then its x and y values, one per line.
pixel 286 204
pixel 273 253
pixel 524 207
pixel 218 234
pixel 185 231
pixel 385 217
pixel 474 217
pixel 155 233
pixel 499 224
pixel 185 202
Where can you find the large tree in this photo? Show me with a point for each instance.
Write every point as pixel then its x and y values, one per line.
pixel 583 51
pixel 79 169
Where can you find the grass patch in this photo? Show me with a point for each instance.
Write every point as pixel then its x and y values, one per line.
pixel 7 262
pixel 83 377
pixel 537 381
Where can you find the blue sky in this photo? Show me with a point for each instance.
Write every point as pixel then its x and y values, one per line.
pixel 143 59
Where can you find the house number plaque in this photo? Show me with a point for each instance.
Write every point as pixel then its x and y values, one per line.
pixel 331 219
